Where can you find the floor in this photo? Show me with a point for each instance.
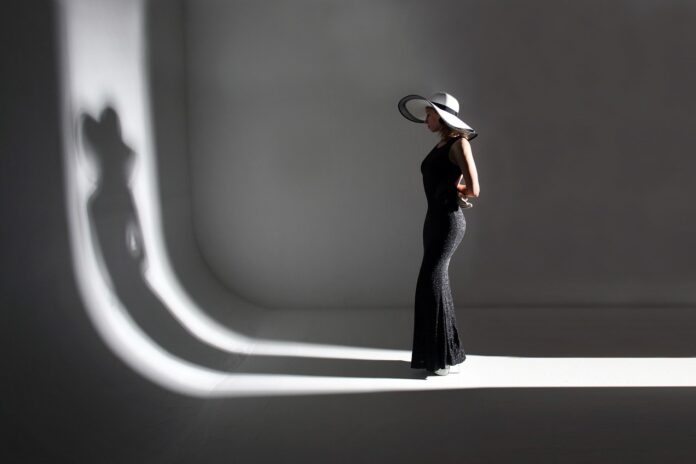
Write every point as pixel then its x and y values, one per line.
pixel 71 400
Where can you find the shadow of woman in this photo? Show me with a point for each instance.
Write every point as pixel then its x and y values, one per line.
pixel 116 233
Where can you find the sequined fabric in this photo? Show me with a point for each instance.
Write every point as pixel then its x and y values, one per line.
pixel 436 341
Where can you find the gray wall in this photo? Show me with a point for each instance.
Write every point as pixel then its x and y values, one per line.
pixel 306 183
pixel 166 64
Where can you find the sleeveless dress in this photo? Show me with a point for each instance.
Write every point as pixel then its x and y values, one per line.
pixel 436 341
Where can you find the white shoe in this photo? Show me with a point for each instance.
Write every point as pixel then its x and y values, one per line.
pixel 443 371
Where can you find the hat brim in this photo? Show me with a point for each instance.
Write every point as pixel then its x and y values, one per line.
pixel 412 107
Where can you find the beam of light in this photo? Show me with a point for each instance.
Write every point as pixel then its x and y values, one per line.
pixel 103 63
pixel 163 282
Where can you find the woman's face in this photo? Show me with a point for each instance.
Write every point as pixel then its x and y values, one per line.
pixel 432 120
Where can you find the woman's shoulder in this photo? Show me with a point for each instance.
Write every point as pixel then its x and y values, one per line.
pixel 461 139
pixel 457 141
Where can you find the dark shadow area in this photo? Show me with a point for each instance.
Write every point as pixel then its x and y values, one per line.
pixel 365 369
pixel 535 425
pixel 585 156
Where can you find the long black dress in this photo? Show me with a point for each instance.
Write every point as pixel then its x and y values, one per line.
pixel 436 341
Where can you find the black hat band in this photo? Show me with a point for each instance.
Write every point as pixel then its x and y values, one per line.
pixel 443 107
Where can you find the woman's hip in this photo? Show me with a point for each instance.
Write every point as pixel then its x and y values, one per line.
pixel 444 221
pixel 443 231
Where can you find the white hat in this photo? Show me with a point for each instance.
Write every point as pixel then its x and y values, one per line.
pixel 412 107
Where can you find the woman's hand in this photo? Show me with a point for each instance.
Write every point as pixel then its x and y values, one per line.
pixel 462 197
pixel 463 191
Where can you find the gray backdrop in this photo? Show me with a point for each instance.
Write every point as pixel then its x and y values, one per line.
pixel 306 188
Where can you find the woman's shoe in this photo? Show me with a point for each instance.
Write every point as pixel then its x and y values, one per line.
pixel 454 369
pixel 443 371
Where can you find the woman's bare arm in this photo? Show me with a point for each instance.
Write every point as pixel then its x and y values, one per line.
pixel 461 150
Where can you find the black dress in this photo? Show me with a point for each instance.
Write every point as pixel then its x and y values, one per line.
pixel 436 341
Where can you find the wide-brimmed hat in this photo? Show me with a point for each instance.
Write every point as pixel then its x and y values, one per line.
pixel 412 107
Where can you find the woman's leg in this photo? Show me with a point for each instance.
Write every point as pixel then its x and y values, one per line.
pixel 436 340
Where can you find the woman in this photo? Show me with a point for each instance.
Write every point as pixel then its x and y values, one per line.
pixel 436 343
